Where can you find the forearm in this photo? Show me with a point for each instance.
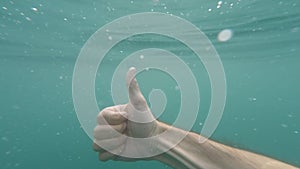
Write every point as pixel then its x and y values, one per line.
pixel 191 154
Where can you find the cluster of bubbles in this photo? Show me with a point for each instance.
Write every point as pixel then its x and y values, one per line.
pixel 220 3
pixel 10 12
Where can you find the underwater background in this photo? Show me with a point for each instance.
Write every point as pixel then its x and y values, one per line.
pixel 41 40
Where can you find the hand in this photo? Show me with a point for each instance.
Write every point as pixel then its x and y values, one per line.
pixel 117 123
pixel 117 126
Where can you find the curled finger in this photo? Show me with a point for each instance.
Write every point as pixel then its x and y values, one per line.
pixel 111 117
pixel 102 132
pixel 109 144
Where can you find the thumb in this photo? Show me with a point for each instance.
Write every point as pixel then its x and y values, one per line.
pixel 140 119
pixel 136 97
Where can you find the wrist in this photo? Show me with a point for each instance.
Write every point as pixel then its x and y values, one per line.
pixel 184 154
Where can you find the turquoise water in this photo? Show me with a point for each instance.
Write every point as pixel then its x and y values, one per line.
pixel 40 42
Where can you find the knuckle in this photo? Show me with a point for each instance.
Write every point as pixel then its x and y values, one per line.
pixel 101 120
pixel 102 158
pixel 123 127
pixel 115 116
pixel 96 132
pixel 96 147
pixel 120 128
pixel 107 110
pixel 140 104
pixel 104 111
pixel 99 116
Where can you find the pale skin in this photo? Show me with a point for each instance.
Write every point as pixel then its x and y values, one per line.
pixel 188 154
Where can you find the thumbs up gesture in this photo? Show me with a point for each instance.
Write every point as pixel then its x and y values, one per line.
pixel 117 123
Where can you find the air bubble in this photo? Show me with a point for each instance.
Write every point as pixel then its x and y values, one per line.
pixel 34 9
pixel 27 18
pixel 142 57
pixel 155 2
pixel 219 4
pixel 225 35
pixel 109 37
pixel 284 125
pixel 294 29
pixel 4 138
pixel 252 99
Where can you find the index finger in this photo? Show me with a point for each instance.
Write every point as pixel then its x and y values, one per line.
pixel 111 117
